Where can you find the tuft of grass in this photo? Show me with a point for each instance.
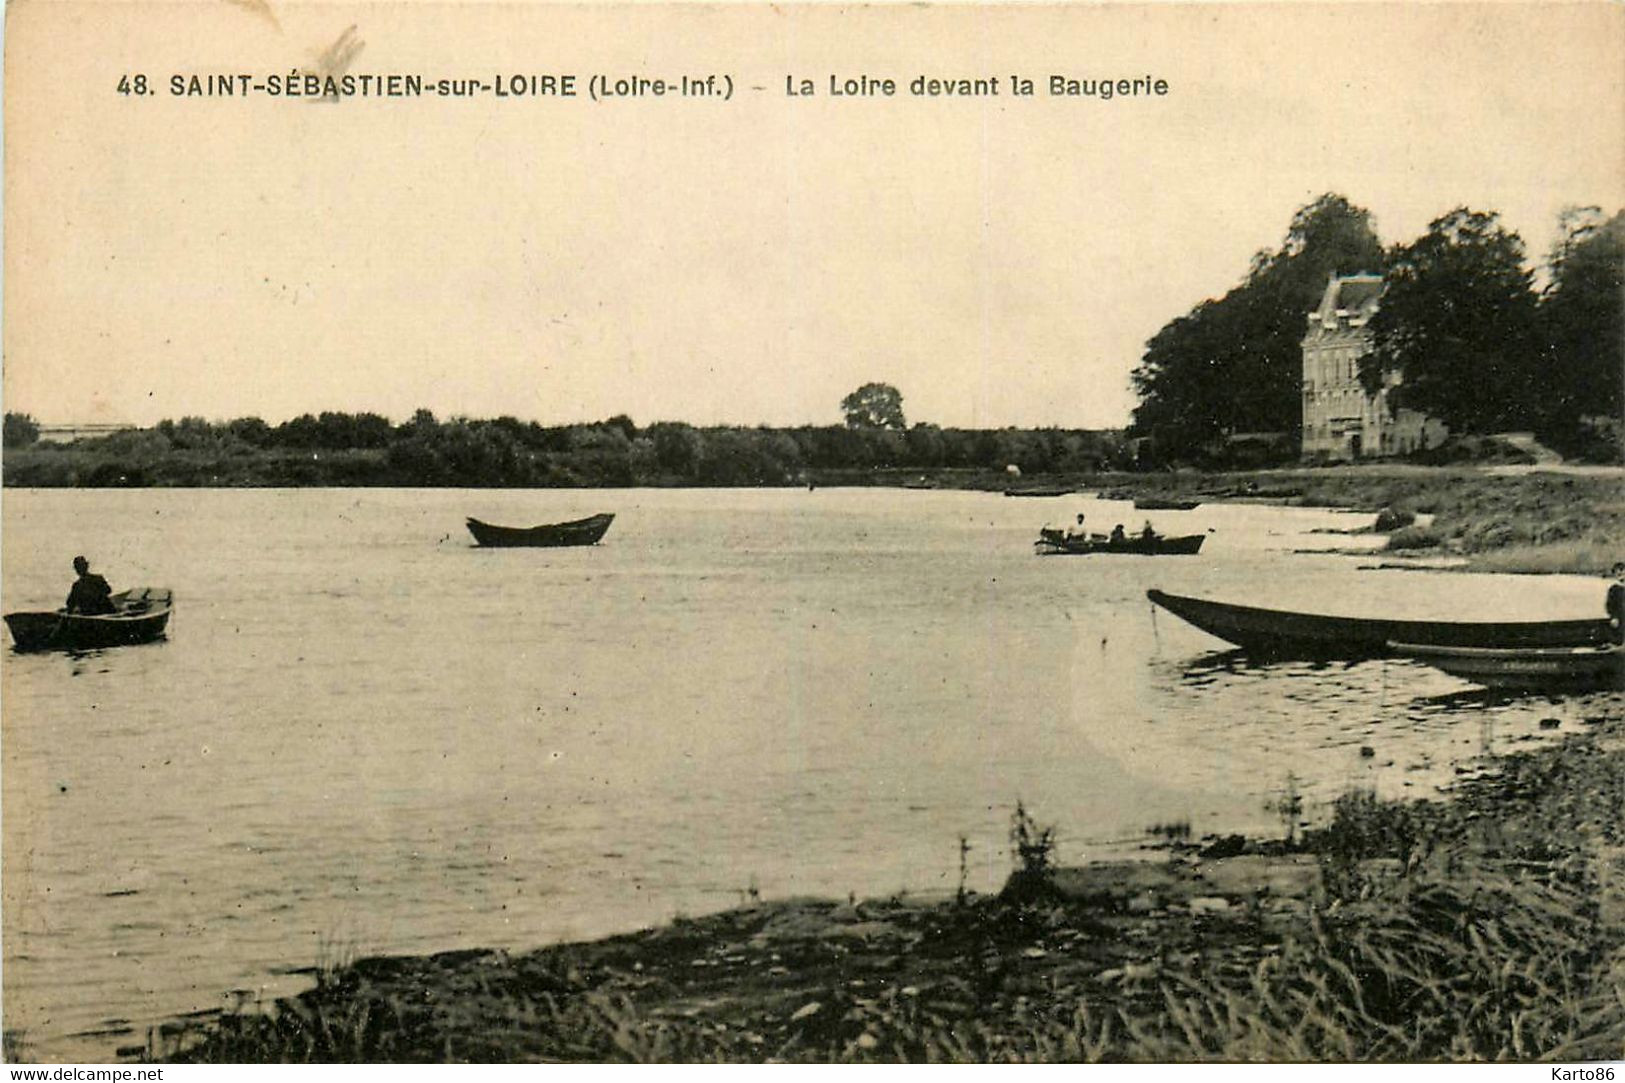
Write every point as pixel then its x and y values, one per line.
pixel 1589 556
pixel 335 953
pixel 1033 848
pixel 1288 806
pixel 964 871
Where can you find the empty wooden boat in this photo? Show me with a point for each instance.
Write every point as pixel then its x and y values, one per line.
pixel 1288 634
pixel 1041 491
pixel 576 532
pixel 1525 668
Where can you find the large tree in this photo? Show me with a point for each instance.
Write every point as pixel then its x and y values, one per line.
pixel 1235 364
pixel 874 406
pixel 1582 317
pixel 20 430
pixel 1457 323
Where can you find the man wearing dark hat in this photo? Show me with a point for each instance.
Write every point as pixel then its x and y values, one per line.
pixel 90 594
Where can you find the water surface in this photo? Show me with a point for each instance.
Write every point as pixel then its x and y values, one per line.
pixel 364 735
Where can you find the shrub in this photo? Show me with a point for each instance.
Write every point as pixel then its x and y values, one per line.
pixel 1415 537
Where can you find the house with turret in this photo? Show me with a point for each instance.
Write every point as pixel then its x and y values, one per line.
pixel 1341 419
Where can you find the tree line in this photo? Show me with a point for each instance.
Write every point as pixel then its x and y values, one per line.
pixel 367 449
pixel 1477 342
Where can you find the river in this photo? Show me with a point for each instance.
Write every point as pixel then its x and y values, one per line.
pixel 364 735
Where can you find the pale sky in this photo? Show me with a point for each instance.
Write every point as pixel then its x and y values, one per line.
pixel 1000 260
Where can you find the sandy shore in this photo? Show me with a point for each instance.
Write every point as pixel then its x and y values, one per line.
pixel 1486 926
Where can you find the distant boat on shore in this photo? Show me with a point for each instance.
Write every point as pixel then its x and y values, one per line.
pixel 576 532
pixel 1163 503
pixel 1041 490
pixel 139 615
pixel 1285 634
pixel 1526 668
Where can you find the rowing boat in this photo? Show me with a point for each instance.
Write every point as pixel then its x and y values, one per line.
pixel 1526 668
pixel 1164 503
pixel 1286 634
pixel 576 532
pixel 139 616
pixel 1056 543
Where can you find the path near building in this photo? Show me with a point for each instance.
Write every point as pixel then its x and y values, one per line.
pixel 1546 461
pixel 1526 442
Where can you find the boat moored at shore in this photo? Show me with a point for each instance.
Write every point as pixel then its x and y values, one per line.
pixel 1526 668
pixel 1287 634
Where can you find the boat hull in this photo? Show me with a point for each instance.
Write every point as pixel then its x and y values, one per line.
pixel 1526 669
pixel 1286 634
pixel 139 616
pixel 1054 543
pixel 1157 503
pixel 577 532
pixel 1040 491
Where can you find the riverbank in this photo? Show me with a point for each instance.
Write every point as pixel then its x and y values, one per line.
pixel 1538 522
pixel 1487 926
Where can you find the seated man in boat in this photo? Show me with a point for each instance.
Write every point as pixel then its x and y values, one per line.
pixel 1146 531
pixel 1077 531
pixel 90 595
pixel 1615 603
pixel 1117 534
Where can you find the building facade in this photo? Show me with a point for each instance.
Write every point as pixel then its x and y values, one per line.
pixel 1341 420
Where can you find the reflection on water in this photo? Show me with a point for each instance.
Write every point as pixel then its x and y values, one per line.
pixel 364 735
pixel 1410 727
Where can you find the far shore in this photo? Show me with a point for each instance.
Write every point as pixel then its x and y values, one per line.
pixel 1518 518
pixel 1486 926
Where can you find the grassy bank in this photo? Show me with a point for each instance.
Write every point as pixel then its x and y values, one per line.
pixel 1534 522
pixel 1490 926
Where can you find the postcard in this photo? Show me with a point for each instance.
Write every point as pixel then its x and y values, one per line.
pixel 812 533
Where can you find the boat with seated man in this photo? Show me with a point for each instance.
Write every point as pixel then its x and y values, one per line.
pixel 139 615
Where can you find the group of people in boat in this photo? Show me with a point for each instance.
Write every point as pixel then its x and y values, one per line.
pixel 1118 535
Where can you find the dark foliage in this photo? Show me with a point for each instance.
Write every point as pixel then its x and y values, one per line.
pixel 1582 325
pixel 364 449
pixel 1458 322
pixel 874 406
pixel 1235 365
pixel 20 430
